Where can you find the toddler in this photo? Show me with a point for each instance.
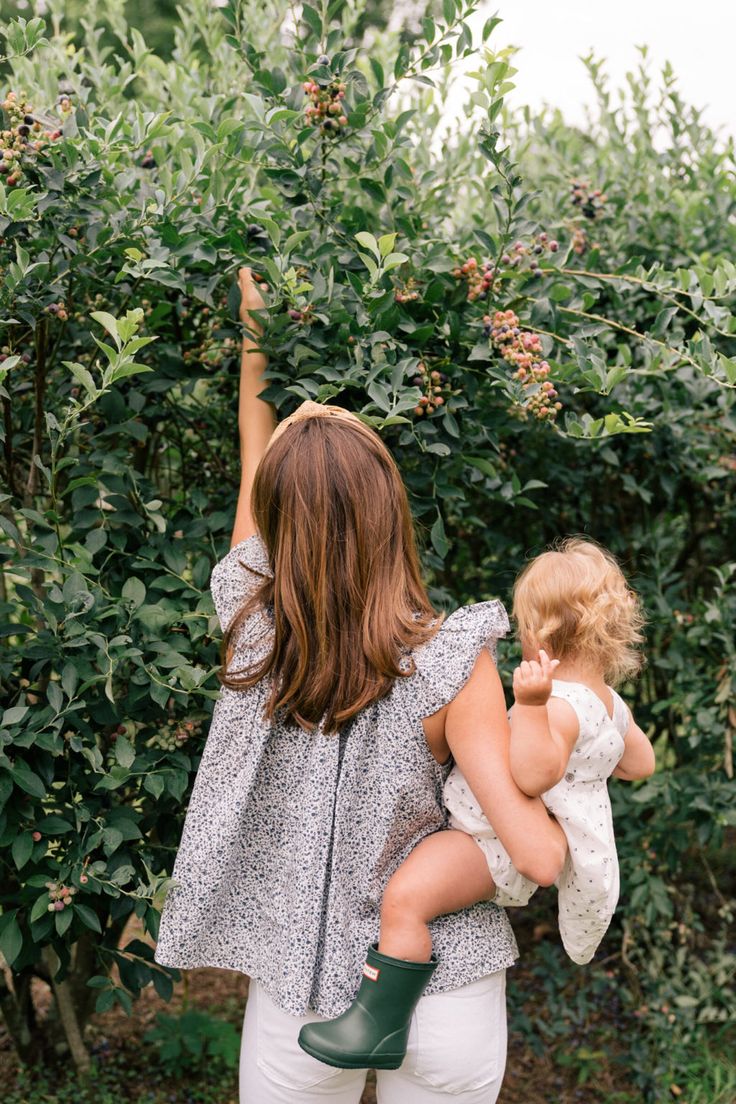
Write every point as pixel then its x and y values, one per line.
pixel 579 624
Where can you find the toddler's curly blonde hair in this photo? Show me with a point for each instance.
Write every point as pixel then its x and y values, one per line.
pixel 574 601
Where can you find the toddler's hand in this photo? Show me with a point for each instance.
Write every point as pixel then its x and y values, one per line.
pixel 533 681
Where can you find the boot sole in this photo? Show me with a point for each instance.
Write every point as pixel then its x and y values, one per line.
pixel 390 1062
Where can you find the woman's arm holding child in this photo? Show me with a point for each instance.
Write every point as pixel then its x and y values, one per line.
pixel 478 735
pixel 448 871
pixel 543 729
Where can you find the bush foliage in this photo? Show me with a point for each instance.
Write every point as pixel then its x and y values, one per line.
pixel 539 319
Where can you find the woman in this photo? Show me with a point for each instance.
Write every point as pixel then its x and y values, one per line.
pixel 345 701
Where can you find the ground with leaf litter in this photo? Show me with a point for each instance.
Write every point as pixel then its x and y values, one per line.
pixel 127 1068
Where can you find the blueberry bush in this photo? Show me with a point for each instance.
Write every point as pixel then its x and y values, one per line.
pixel 538 319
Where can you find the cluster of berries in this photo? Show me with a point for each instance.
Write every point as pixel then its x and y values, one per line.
pixel 25 136
pixel 326 108
pixel 591 203
pixel 407 293
pixel 210 352
pixel 579 241
pixel 5 353
pixel 524 350
pixel 60 896
pixel 171 737
pixel 58 310
pixel 207 349
pixel 303 315
pixel 433 383
pixel 480 279
pixel 520 252
pixel 506 454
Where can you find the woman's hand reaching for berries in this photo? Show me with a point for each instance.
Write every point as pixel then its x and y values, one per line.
pixel 533 681
pixel 251 297
pixel 256 416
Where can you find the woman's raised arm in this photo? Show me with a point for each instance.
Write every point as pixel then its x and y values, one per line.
pixel 477 731
pixel 256 418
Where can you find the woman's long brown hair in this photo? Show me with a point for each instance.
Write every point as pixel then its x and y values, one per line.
pixel 346 594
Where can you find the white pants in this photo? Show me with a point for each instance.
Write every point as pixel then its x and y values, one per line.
pixel 457 1051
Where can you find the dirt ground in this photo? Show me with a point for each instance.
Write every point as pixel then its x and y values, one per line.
pixel 116 1041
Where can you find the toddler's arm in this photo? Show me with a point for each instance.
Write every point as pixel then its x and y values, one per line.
pixel 543 729
pixel 637 760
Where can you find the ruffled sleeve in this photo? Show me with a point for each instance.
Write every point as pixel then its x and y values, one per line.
pixel 445 663
pixel 237 576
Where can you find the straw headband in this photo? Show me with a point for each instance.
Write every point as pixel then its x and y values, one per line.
pixel 309 409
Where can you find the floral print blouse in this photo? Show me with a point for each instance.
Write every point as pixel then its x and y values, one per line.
pixel 291 836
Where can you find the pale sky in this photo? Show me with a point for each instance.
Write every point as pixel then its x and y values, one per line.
pixel 699 39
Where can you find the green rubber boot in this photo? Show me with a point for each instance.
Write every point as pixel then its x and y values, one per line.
pixel 373 1033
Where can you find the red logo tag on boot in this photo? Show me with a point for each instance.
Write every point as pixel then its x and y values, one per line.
pixel 371 972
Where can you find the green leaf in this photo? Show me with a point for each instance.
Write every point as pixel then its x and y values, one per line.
pixel 368 242
pixel 134 591
pixel 124 752
pixel 99 981
pixel 386 243
pixel 312 20
pixel 40 907
pixel 14 715
pixel 112 838
pixel 11 941
pixel 439 539
pixel 370 264
pixel 91 920
pixel 154 783
pixel 28 780
pixel 53 825
pixel 21 849
pixel 105 1001
pixel 63 919
pixel 69 674
pixel 109 323
pixel 82 375
pixel 55 696
pixel 394 260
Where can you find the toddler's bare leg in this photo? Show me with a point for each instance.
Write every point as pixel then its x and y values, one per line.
pixel 445 872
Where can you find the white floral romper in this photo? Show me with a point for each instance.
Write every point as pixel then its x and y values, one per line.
pixel 589 883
